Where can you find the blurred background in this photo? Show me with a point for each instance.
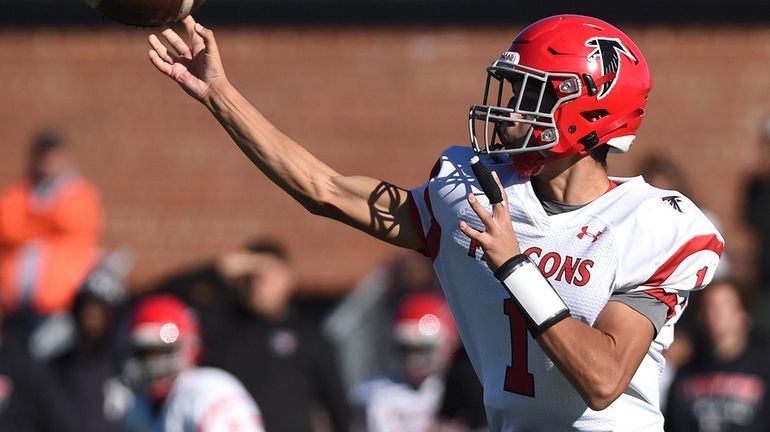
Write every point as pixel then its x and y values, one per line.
pixel 372 87
pixel 376 87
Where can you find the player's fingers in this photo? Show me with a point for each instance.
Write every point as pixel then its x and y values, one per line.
pixel 208 38
pixel 471 232
pixel 177 43
pixel 160 49
pixel 500 210
pixel 159 63
pixel 481 212
pixel 195 39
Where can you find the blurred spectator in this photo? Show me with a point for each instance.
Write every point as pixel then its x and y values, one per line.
pixel 663 173
pixel 95 354
pixel 252 329
pixel 162 390
pixel 360 325
pixel 49 228
pixel 757 211
pixel 408 398
pixel 725 386
pixel 30 398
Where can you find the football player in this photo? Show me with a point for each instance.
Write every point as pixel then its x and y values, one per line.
pixel 161 388
pixel 408 398
pixel 567 283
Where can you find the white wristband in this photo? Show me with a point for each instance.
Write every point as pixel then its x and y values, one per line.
pixel 535 295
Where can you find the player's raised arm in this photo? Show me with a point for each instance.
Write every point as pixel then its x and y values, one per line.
pixel 373 206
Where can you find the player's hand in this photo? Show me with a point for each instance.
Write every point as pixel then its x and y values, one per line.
pixel 196 66
pixel 498 240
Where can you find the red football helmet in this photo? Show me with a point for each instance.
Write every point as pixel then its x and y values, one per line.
pixel 576 82
pixel 164 341
pixel 425 333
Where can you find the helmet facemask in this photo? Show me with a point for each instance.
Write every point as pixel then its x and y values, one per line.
pixel 149 365
pixel 164 342
pixel 520 99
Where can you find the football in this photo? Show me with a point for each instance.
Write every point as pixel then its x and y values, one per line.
pixel 145 13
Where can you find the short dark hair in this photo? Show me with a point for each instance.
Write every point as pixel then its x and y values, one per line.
pixel 599 154
pixel 44 142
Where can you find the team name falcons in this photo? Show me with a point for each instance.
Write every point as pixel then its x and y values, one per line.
pixel 608 50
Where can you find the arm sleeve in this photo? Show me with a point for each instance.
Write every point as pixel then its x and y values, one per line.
pixel 422 214
pixel 671 249
pixel 647 305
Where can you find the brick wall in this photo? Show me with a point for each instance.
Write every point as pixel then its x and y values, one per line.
pixel 378 102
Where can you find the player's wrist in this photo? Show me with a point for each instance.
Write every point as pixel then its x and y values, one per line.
pixel 534 294
pixel 217 93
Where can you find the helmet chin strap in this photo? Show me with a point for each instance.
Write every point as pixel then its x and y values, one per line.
pixel 619 122
pixel 529 164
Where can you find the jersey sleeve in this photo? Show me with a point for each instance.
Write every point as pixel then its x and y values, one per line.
pixel 422 214
pixel 667 250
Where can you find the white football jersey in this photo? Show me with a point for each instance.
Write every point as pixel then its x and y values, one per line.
pixel 388 405
pixel 210 400
pixel 633 238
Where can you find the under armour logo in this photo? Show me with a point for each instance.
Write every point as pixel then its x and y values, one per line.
pixel 584 232
pixel 608 51
pixel 673 201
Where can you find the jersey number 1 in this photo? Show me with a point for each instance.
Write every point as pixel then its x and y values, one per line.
pixel 517 377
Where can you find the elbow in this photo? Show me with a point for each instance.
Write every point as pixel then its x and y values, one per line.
pixel 319 207
pixel 313 207
pixel 318 199
pixel 600 402
pixel 603 393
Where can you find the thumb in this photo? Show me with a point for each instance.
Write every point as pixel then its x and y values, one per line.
pixel 208 38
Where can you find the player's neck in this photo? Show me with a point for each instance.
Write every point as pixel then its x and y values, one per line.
pixel 574 180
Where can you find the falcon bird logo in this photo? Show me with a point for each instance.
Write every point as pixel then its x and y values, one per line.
pixel 673 201
pixel 608 50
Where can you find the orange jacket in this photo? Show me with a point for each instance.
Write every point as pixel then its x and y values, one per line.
pixel 47 245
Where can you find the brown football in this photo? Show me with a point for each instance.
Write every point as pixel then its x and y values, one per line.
pixel 145 13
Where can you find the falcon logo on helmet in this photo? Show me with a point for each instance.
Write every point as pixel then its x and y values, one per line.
pixel 554 94
pixel 608 51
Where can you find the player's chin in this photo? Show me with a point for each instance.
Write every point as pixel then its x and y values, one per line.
pixel 514 137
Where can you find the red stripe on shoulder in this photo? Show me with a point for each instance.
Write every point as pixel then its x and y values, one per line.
pixel 668 298
pixel 433 237
pixel 694 245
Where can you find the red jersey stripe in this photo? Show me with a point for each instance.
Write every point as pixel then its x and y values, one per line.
pixel 414 215
pixel 694 245
pixel 668 298
pixel 433 238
